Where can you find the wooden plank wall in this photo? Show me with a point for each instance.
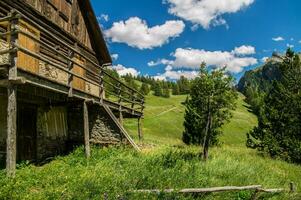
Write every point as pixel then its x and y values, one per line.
pixel 25 61
pixel 66 14
pixel 60 12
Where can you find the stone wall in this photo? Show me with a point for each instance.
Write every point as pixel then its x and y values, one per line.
pixel 102 128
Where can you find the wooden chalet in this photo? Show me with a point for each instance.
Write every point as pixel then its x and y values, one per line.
pixel 53 82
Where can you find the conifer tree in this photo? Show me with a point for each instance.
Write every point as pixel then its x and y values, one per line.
pixel 157 89
pixel 279 127
pixel 166 92
pixel 144 89
pixel 208 107
pixel 175 89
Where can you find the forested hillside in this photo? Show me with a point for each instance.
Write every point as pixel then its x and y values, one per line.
pixel 261 77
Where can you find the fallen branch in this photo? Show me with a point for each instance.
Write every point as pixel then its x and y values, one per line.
pixel 279 190
pixel 256 188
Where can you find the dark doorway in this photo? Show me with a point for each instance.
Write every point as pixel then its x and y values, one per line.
pixel 26 132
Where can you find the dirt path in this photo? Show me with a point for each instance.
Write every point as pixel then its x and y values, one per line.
pixel 166 111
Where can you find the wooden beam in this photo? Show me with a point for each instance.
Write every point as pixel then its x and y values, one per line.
pixel 16 81
pixel 86 129
pixel 202 190
pixel 120 118
pixel 140 134
pixel 11 142
pixel 70 76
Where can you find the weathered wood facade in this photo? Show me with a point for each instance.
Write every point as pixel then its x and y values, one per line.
pixel 52 86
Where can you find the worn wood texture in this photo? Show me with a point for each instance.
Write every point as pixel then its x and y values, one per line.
pixel 256 188
pixel 79 83
pixel 11 143
pixel 140 134
pixel 66 14
pixel 86 129
pixel 25 61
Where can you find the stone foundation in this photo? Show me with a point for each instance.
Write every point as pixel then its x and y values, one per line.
pixel 102 128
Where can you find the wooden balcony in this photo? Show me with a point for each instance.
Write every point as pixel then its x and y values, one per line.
pixel 33 56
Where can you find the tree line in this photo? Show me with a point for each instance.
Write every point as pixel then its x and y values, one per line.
pixel 147 84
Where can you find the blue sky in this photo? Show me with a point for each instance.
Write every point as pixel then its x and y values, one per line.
pixel 169 38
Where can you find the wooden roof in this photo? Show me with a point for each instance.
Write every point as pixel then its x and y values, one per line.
pixel 98 42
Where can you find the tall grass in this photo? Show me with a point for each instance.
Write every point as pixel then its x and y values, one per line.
pixel 118 171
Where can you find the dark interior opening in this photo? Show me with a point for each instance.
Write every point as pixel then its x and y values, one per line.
pixel 26 132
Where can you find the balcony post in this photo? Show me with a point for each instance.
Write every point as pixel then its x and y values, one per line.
pixel 70 69
pixel 101 86
pixel 11 142
pixel 86 129
pixel 140 134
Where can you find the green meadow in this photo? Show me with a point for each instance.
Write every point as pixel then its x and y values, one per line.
pixel 113 173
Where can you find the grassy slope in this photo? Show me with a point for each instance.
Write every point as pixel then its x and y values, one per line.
pixel 163 120
pixel 234 132
pixel 115 171
pixel 163 123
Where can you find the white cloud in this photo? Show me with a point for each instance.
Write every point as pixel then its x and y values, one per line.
pixel 206 12
pixel 192 58
pixel 264 59
pixel 136 33
pixel 277 39
pixel 244 50
pixel 175 75
pixel 290 46
pixel 122 70
pixel 160 62
pixel 103 17
pixel 115 56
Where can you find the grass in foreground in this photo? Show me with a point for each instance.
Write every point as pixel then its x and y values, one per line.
pixel 119 171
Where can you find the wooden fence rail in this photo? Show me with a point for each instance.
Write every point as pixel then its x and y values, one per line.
pixel 256 188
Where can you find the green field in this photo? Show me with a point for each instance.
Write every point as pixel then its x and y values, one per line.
pixel 164 163
pixel 163 122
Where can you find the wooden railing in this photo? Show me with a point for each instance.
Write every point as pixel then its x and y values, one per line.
pixel 74 68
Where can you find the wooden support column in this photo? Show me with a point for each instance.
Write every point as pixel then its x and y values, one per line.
pixel 120 118
pixel 140 133
pixel 133 100
pixel 86 130
pixel 11 142
pixel 101 85
pixel 70 68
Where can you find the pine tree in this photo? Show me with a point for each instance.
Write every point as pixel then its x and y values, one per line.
pixel 175 89
pixel 158 89
pixel 279 127
pixel 144 89
pixel 184 85
pixel 166 92
pixel 208 107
